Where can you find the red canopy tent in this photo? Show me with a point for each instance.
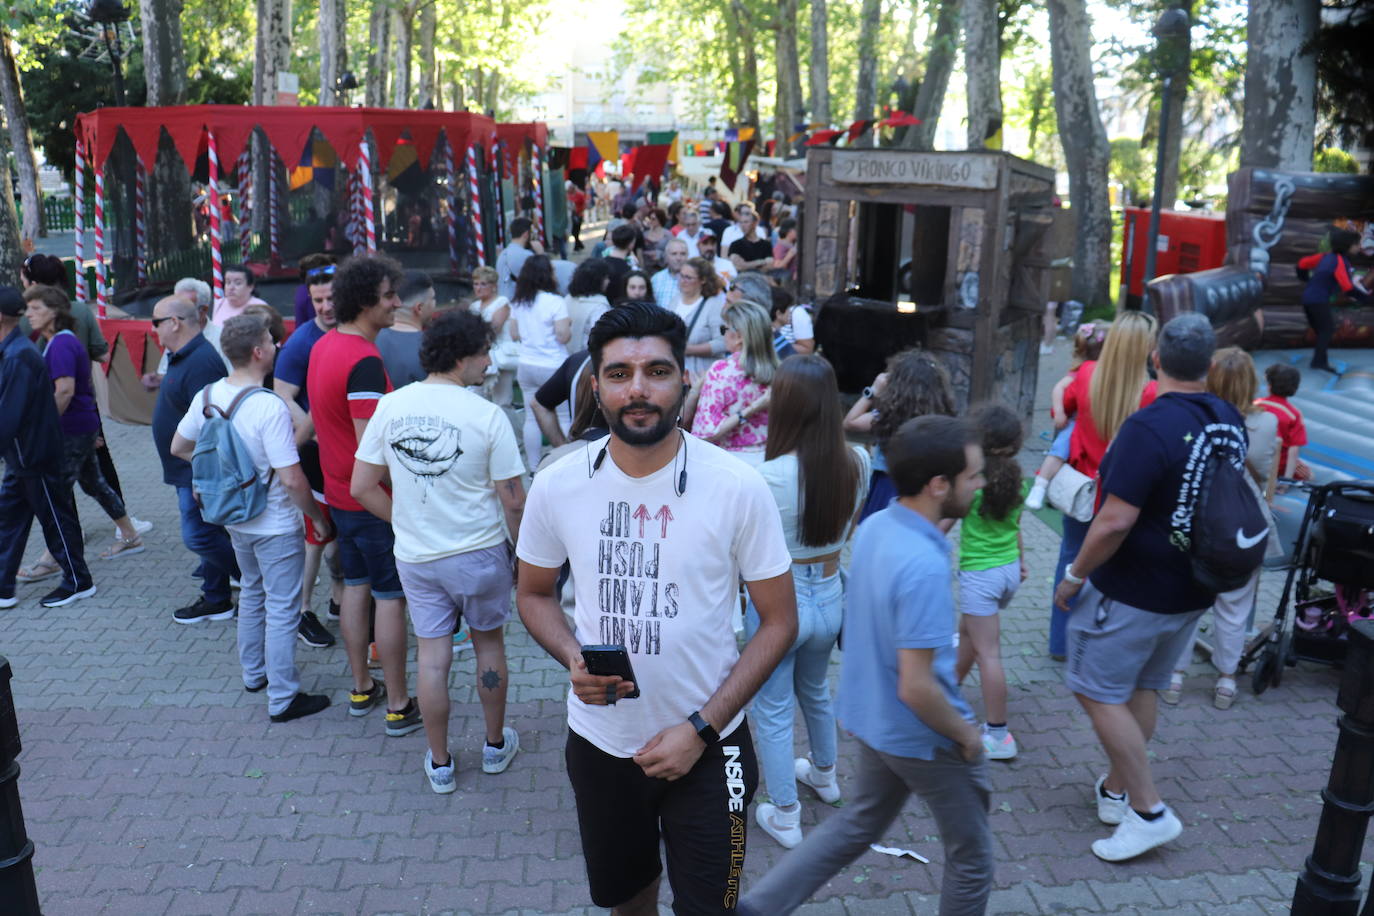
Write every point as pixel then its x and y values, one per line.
pixel 222 132
pixel 512 141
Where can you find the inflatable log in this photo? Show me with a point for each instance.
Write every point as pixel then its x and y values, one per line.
pixel 1227 295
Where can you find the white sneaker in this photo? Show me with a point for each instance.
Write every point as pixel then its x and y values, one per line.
pixel 1110 811
pixel 139 524
pixel 495 760
pixel 994 749
pixel 826 786
pixel 1035 499
pixel 442 780
pixel 783 826
pixel 1046 349
pixel 1135 836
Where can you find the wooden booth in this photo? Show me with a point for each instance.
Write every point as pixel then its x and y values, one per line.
pixel 942 250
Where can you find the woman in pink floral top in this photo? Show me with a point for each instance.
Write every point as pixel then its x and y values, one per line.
pixel 732 400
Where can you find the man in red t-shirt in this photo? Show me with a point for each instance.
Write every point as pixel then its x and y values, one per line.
pixel 346 378
pixel 578 199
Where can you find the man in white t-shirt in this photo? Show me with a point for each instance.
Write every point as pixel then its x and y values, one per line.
pixel 656 565
pixel 725 268
pixel 455 505
pixel 270 547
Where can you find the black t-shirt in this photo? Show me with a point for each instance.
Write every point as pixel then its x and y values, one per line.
pixel 1154 463
pixel 718 226
pixel 619 270
pixel 559 389
pixel 756 250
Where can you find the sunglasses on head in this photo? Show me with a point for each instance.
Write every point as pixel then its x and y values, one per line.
pixel 316 273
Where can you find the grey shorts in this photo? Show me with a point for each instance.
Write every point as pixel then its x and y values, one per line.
pixel 984 592
pixel 474 585
pixel 1116 649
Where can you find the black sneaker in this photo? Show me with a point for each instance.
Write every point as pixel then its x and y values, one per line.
pixel 256 688
pixel 360 704
pixel 63 595
pixel 404 721
pixel 204 609
pixel 312 632
pixel 302 704
pixel 334 610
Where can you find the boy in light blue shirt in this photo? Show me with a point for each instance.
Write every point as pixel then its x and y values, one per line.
pixel 898 694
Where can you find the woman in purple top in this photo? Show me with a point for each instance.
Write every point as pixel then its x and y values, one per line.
pixel 69 365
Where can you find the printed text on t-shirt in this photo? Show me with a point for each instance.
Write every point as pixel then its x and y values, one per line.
pixel 632 599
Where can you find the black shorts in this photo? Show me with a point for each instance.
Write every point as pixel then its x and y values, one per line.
pixel 702 818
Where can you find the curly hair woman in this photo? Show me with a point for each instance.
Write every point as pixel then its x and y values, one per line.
pixel 914 384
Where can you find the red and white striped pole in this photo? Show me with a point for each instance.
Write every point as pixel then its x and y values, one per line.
pixel 79 201
pixel 369 222
pixel 498 173
pixel 245 171
pixel 102 296
pixel 452 176
pixel 479 246
pixel 273 205
pixel 140 226
pixel 216 254
pixel 536 189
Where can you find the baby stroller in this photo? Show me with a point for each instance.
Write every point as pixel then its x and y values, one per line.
pixel 1329 584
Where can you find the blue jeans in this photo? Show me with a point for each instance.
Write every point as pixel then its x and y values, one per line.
pixel 270 612
pixel 211 544
pixel 1069 545
pixel 820 610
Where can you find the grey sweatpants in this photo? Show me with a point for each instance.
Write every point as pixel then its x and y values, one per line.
pixel 270 567
pixel 956 793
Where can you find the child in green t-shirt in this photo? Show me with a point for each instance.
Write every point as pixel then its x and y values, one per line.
pixel 991 567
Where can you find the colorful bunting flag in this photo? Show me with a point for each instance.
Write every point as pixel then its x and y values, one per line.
pixel 858 129
pixel 662 138
pixel 602 144
pixel 317 164
pixel 736 155
pixel 900 119
pixel 824 136
pixel 647 161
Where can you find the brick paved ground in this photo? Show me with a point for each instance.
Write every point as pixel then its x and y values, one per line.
pixel 153 784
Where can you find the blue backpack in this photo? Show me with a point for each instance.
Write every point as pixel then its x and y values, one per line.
pixel 224 478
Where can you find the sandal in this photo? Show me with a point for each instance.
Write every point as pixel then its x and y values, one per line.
pixel 123 546
pixel 1175 691
pixel 43 569
pixel 1225 693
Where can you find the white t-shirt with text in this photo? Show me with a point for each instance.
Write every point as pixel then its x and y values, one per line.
pixel 657 573
pixel 263 423
pixel 444 446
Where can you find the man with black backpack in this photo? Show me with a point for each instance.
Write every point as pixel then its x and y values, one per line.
pixel 1176 525
pixel 247 476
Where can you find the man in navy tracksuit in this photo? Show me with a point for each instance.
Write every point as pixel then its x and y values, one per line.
pixel 31 444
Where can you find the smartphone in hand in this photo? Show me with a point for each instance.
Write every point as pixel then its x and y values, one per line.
pixel 611 661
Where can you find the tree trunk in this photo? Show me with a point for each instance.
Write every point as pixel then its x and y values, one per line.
pixel 428 91
pixel 493 93
pixel 1086 150
pixel 1280 85
pixel 11 247
pixel 273 49
pixel 168 207
pixel 940 57
pixel 866 95
pixel 21 141
pixel 333 49
pixel 820 64
pixel 750 63
pixel 738 97
pixel 378 61
pixel 403 28
pixel 789 97
pixel 983 65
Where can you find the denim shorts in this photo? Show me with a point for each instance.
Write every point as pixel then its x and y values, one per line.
pixel 365 552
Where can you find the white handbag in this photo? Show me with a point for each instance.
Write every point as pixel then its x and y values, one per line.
pixel 1073 493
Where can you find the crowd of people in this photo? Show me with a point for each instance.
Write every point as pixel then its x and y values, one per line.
pixel 691 517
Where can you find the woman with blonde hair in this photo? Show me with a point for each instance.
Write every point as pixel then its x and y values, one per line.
pixel 1103 393
pixel 732 400
pixel 1233 379
pixel 505 354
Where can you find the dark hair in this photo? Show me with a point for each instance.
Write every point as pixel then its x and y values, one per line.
pixel 1000 434
pixel 315 262
pixel 248 275
pixel 239 336
pixel 710 188
pixel 1342 239
pixel 661 216
pixel 674 209
pixel 453 335
pixel 271 318
pixel 785 226
pixel 46 269
pixel 917 385
pixel 1186 344
pixel 781 301
pixel 722 209
pixel 637 319
pixel 925 448
pixel 356 281
pixel 519 226
pixel 413 285
pixel 589 279
pixel 586 410
pixel 624 236
pixel 804 417
pixel 648 287
pixel 55 299
pixel 1283 380
pixel 628 211
pixel 536 276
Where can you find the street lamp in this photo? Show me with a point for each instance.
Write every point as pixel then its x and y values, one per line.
pixel 1171 56
pixel 345 83
pixel 108 14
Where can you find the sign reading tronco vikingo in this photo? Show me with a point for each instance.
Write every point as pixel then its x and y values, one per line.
pixel 950 170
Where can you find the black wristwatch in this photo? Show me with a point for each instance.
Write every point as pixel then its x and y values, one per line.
pixel 868 392
pixel 704 729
